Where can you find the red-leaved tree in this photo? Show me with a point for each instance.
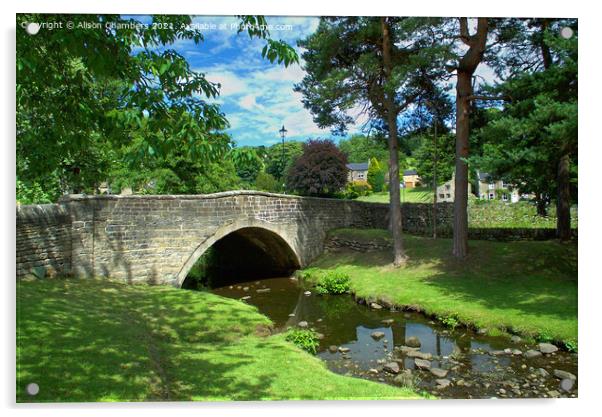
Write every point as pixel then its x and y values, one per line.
pixel 320 171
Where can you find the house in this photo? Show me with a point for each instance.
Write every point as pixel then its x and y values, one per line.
pixel 357 171
pixel 490 189
pixel 445 191
pixel 411 178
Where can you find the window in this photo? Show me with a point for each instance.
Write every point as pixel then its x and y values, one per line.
pixel 504 185
pixel 491 196
pixel 505 197
pixel 441 195
pixel 447 186
pixel 492 186
pixel 360 175
pixel 448 195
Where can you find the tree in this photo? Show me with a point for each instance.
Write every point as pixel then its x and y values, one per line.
pixel 278 162
pixel 247 162
pixel 267 182
pixel 539 70
pixel 465 69
pixel 381 65
pixel 532 141
pixel 320 171
pixel 376 175
pixel 81 91
pixel 361 148
pixel 425 157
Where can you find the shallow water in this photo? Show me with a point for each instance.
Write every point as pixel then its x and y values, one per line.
pixel 476 365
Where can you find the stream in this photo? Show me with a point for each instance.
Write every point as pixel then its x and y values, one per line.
pixel 364 342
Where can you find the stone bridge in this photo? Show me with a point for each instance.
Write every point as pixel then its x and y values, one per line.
pixel 158 239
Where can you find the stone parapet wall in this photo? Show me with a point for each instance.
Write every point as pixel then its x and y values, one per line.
pixel 157 239
pixel 43 244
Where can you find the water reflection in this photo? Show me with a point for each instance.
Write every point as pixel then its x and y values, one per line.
pixel 346 324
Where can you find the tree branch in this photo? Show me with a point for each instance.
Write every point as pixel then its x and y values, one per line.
pixel 464 35
pixel 491 98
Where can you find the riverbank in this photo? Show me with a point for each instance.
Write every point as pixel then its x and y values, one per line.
pixel 526 288
pixel 97 340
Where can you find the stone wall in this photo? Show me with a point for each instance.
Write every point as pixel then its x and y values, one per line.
pixel 44 241
pixel 158 239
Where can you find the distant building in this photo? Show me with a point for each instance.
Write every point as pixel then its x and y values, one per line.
pixel 490 189
pixel 411 178
pixel 445 191
pixel 357 171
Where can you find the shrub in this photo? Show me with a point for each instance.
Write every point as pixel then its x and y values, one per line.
pixel 333 282
pixel 361 187
pixel 305 339
pixel 320 171
pixel 450 321
pixel 267 182
pixel 571 345
pixel 376 176
pixel 545 336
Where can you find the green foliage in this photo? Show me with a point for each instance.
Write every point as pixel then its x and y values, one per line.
pixel 450 320
pixel 425 157
pixel 524 141
pixel 357 188
pixel 305 339
pixel 360 148
pixel 199 276
pixel 279 162
pixel 33 193
pixel 376 175
pixel 267 182
pixel 217 177
pixel 101 101
pixel 247 162
pixel 333 282
pixel 571 345
pixel 545 336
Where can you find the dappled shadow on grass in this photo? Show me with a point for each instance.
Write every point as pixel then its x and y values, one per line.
pixel 535 278
pixel 93 341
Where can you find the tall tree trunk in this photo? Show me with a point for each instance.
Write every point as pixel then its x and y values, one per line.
pixel 466 68
pixel 463 91
pixel 563 199
pixel 435 160
pixel 541 203
pixel 399 257
pixel 546 55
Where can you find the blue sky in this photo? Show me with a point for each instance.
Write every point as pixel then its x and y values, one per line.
pixel 257 96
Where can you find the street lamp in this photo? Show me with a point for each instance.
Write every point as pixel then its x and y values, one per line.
pixel 283 132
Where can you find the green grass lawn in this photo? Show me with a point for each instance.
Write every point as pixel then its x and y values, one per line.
pixel 409 195
pixel 93 340
pixel 524 287
pixel 485 214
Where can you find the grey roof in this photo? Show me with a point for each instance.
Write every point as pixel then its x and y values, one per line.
pixel 410 172
pixel 362 166
pixel 483 176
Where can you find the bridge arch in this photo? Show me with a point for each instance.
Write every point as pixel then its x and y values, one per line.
pixel 271 238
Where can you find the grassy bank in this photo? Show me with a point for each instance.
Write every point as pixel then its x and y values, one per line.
pixel 487 213
pixel 408 195
pixel 526 287
pixel 92 340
